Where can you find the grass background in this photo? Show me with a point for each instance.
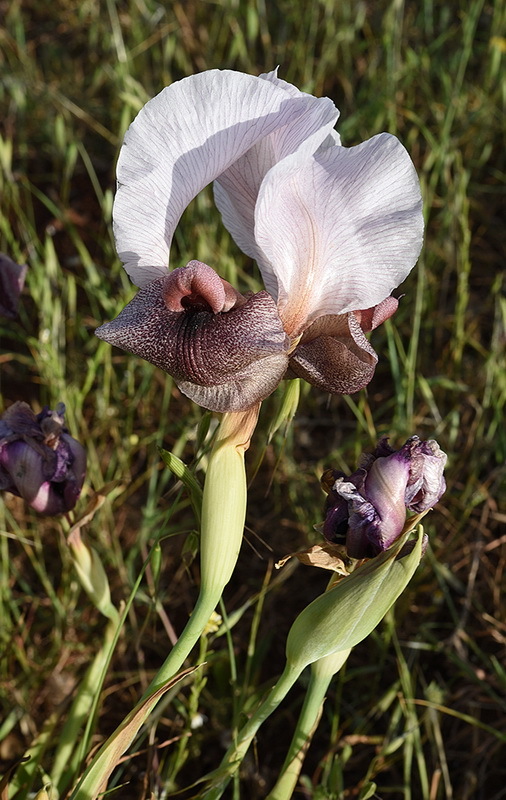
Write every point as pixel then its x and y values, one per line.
pixel 420 708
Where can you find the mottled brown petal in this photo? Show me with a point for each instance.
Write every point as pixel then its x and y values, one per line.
pixel 225 361
pixel 370 318
pixel 339 359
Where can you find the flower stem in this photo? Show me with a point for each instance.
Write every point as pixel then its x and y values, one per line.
pixel 236 752
pixel 322 673
pixel 204 607
pixel 223 515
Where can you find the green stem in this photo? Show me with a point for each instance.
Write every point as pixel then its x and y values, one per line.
pixel 322 672
pixel 238 750
pixel 204 607
pixel 306 726
pixel 223 515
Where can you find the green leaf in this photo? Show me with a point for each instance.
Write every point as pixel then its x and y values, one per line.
pixel 186 476
pixel 94 780
pixel 287 408
pixel 348 612
pixel 368 791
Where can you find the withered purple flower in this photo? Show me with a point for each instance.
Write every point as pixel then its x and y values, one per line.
pixel 367 510
pixel 12 279
pixel 334 230
pixel 39 460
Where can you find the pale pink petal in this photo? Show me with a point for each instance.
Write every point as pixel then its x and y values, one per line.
pixel 180 141
pixel 339 230
pixel 236 189
pixel 272 77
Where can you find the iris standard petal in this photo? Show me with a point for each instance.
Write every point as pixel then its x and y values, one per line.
pixel 236 189
pixel 426 480
pixel 332 137
pixel 225 361
pixel 338 230
pixel 334 355
pixel 179 142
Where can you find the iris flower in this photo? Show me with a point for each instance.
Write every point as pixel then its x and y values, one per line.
pixel 333 230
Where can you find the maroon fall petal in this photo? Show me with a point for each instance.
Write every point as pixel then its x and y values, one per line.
pixel 335 356
pixel 225 361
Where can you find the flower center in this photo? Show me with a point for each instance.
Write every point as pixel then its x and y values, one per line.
pixel 195 302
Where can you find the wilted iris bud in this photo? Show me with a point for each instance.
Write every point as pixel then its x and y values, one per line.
pixel 367 510
pixel 39 460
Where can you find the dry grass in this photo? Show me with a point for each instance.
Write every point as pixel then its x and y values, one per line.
pixel 420 708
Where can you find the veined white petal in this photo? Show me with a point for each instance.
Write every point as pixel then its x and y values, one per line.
pixel 179 142
pixel 272 76
pixel 236 190
pixel 339 230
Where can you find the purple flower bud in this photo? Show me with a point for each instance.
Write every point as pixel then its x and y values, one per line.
pixel 367 511
pixel 39 460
